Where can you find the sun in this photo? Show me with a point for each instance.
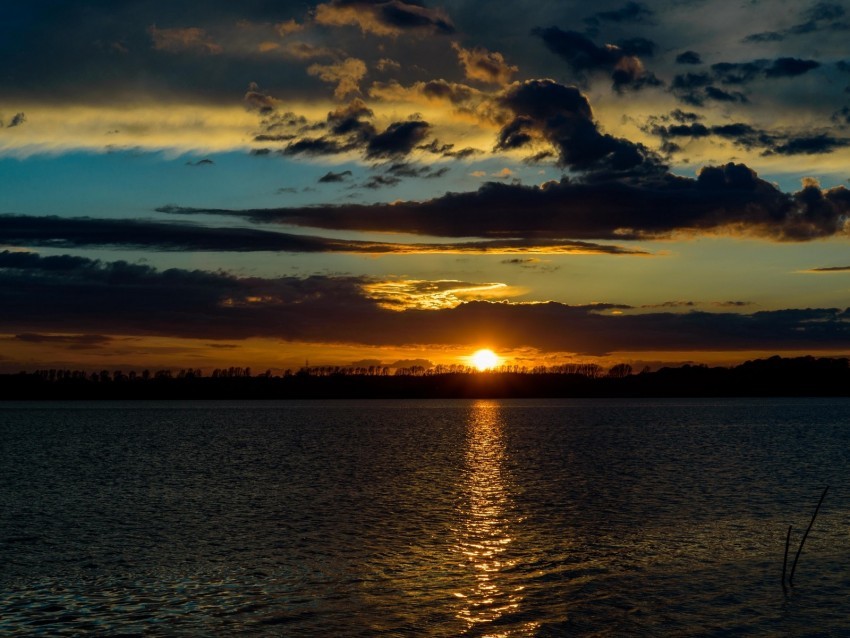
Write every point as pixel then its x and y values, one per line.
pixel 485 359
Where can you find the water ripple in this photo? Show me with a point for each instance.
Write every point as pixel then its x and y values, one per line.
pixel 489 518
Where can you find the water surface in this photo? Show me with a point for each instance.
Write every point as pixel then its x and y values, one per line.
pixel 411 518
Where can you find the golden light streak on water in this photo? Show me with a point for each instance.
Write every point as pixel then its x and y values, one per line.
pixel 485 530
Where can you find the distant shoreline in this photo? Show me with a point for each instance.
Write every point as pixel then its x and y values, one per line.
pixel 774 377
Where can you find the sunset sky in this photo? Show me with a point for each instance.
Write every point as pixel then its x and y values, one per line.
pixel 260 183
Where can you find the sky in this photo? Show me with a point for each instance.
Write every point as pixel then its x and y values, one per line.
pixel 403 182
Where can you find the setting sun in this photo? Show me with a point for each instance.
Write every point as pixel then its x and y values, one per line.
pixel 485 359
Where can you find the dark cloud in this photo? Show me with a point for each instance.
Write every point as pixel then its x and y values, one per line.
pixel 384 17
pixel 347 128
pixel 697 88
pixel 764 36
pixel 123 51
pixel 719 95
pixel 737 72
pixel 831 269
pixel 60 232
pixel 824 11
pixel 584 56
pixel 808 145
pixel 790 67
pixel 317 146
pixel 562 116
pixel 17 120
pixel 350 119
pixel 74 295
pixel 823 16
pixel 201 162
pixel 749 137
pixel 688 57
pixel 381 181
pixel 399 139
pixel 331 177
pixel 671 304
pixel 404 169
pixel 531 263
pixel 730 198
pixel 448 150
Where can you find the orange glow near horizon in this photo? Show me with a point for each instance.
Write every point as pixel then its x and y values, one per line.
pixel 485 359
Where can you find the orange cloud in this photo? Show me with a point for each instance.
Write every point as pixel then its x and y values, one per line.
pixel 389 18
pixel 484 66
pixel 407 294
pixel 347 75
pixel 286 28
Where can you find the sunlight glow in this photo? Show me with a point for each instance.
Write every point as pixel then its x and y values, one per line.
pixel 485 359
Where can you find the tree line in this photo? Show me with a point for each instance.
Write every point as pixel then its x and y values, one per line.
pixel 589 370
pixel 776 376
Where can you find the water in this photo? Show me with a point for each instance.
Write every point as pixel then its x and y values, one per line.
pixel 428 518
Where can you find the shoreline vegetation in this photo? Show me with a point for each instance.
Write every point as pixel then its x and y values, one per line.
pixel 773 377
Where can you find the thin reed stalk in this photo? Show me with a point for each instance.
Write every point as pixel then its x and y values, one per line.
pixel 785 560
pixel 802 542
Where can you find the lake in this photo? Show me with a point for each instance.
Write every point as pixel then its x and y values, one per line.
pixel 424 518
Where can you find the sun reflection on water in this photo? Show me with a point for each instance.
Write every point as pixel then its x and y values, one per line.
pixel 485 529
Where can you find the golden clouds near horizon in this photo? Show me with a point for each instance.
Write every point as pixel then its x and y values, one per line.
pixel 409 294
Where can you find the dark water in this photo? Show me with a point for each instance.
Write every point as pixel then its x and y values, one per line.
pixel 441 518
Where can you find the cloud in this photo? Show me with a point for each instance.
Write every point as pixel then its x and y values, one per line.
pixel 697 88
pixel 400 138
pixel 722 199
pixel 62 232
pixel 385 65
pixel 406 169
pixel 584 56
pixel 688 57
pixel 348 128
pixel 820 17
pixel 346 75
pixel 484 66
pixel 68 295
pixel 531 263
pixel 790 67
pixel 384 18
pixel 561 115
pixel 179 40
pixel 201 162
pixel 17 120
pixel 306 51
pixel 463 98
pixel 731 304
pixel 287 27
pixel 406 294
pixel 830 269
pixel 748 137
pixel 448 150
pixel 331 177
pixel 380 181
pixel 671 304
